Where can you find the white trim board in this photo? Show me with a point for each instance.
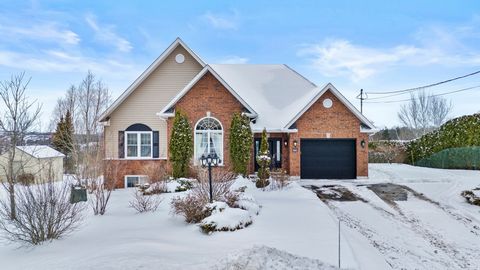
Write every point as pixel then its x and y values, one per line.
pixel 147 72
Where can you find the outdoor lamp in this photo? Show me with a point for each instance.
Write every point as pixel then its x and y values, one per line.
pixel 211 160
pixel 203 160
pixel 285 142
pixel 295 143
pixel 362 143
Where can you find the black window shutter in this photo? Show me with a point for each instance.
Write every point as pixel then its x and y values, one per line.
pixel 121 144
pixel 156 149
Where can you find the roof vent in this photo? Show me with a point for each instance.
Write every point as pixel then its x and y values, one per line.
pixel 179 58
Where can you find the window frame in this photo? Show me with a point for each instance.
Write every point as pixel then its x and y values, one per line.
pixel 208 132
pixel 139 144
pixel 135 175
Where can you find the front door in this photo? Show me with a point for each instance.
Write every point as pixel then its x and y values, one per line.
pixel 275 150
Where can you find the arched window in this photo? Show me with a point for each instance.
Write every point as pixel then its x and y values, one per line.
pixel 208 138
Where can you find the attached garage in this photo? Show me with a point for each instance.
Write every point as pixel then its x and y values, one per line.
pixel 328 159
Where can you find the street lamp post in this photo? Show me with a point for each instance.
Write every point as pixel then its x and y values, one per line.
pixel 210 160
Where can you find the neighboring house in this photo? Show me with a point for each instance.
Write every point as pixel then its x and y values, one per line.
pixel 314 132
pixel 42 162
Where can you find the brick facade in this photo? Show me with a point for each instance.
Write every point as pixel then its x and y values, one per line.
pixel 208 95
pixel 337 122
pixel 116 170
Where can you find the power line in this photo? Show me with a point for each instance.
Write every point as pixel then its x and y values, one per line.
pixel 442 94
pixel 425 86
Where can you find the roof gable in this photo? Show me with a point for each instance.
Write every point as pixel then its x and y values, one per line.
pixel 342 99
pixel 168 108
pixel 147 73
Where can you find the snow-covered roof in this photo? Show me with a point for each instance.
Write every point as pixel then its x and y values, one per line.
pixel 276 92
pixel 40 151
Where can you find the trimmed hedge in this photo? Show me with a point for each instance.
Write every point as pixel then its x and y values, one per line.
pixel 459 132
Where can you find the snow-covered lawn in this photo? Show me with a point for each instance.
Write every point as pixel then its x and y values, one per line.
pixel 291 220
pixel 294 230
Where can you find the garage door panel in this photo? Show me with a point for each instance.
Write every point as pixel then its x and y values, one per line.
pixel 328 159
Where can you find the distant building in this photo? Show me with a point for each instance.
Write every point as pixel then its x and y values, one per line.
pixel 35 163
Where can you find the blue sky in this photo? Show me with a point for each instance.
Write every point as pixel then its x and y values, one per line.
pixel 374 45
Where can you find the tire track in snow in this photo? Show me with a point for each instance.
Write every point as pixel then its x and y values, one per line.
pixel 472 225
pixel 395 255
pixel 394 249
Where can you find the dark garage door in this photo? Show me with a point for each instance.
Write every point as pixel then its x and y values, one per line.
pixel 327 159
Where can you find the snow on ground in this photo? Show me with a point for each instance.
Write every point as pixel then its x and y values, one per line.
pixel 294 230
pixel 266 258
pixel 292 220
pixel 440 231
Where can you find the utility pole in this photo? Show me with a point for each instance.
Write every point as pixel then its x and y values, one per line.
pixel 362 98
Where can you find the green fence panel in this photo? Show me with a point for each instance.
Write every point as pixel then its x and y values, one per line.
pixel 453 158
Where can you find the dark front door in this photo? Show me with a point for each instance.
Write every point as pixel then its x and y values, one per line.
pixel 327 159
pixel 275 150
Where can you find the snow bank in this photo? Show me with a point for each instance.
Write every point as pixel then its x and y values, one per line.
pixel 267 258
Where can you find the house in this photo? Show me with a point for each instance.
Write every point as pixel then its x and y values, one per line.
pixel 314 132
pixel 40 162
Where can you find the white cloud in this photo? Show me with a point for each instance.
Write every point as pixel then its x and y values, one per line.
pixel 48 31
pixel 233 59
pixel 222 21
pixel 433 45
pixel 107 35
pixel 62 61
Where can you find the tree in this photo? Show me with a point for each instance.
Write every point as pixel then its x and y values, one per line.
pixel 18 118
pixel 439 110
pixel 263 160
pixel 181 145
pixel 386 134
pixel 240 143
pixel 424 112
pixel 63 139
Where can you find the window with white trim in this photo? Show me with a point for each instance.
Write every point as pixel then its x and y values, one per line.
pixel 208 139
pixel 135 180
pixel 138 144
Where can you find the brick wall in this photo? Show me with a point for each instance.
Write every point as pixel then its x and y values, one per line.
pixel 209 95
pixel 115 170
pixel 338 121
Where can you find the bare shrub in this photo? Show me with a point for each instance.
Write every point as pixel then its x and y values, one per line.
pixel 43 212
pixel 192 207
pixel 157 178
pixel 101 189
pixel 279 179
pixel 145 203
pixel 221 183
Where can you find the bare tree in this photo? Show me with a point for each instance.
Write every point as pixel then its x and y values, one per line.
pixel 69 102
pixel 18 118
pixel 439 110
pixel 423 112
pixel 94 97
